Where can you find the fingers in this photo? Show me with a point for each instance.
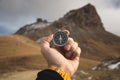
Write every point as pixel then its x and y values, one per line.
pixel 78 51
pixel 69 43
pixel 67 32
pixel 72 49
pixel 67 47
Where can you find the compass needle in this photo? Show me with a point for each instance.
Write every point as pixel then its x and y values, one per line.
pixel 60 39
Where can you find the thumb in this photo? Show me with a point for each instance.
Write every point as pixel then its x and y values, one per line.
pixel 46 40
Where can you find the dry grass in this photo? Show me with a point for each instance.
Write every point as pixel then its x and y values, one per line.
pixel 108 50
pixel 21 55
pixel 16 45
pixel 87 64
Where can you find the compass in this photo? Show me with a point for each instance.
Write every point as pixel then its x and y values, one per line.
pixel 60 38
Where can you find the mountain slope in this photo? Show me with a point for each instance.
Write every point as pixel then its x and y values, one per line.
pixel 87 29
pixel 18 53
pixel 16 45
pixel 20 56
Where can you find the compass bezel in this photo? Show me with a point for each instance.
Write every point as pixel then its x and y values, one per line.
pixel 54 38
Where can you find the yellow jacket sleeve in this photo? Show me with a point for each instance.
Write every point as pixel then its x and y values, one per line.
pixel 64 74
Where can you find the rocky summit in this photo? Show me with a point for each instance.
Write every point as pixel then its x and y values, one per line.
pixel 86 28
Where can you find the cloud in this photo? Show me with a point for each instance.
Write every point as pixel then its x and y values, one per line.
pixel 16 13
pixel 15 9
pixel 111 20
pixel 114 3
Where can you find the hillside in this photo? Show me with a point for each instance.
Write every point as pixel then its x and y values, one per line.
pixel 16 45
pixel 27 59
pixel 20 56
pixel 86 28
pixel 16 50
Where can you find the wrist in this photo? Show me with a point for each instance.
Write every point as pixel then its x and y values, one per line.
pixel 68 70
pixel 55 68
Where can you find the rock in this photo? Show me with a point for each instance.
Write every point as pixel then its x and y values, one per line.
pixel 111 63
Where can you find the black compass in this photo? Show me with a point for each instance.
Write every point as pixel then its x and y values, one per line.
pixel 60 38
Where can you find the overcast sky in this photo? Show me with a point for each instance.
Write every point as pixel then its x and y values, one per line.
pixel 17 13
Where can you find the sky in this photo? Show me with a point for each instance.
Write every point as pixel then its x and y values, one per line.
pixel 14 14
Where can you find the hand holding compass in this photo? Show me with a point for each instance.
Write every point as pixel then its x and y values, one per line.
pixel 67 61
pixel 61 41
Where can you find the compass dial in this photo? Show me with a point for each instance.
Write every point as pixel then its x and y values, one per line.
pixel 60 38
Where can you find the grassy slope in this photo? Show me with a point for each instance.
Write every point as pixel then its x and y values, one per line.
pixel 16 45
pixel 18 53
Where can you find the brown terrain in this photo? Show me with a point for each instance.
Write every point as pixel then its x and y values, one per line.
pixel 21 58
pixel 86 28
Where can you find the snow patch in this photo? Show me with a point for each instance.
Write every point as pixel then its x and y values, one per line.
pixel 108 64
pixel 94 68
pixel 114 66
pixel 38 25
pixel 90 78
pixel 83 72
pixel 33 27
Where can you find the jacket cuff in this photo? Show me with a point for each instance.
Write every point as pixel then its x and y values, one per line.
pixel 48 75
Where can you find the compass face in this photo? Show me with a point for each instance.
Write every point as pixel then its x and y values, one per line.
pixel 60 38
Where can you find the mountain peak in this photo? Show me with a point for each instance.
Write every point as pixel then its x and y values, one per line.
pixel 89 5
pixel 85 27
pixel 86 16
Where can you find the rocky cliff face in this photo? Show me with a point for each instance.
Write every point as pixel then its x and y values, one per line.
pixel 86 28
pixel 85 17
pixel 32 28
